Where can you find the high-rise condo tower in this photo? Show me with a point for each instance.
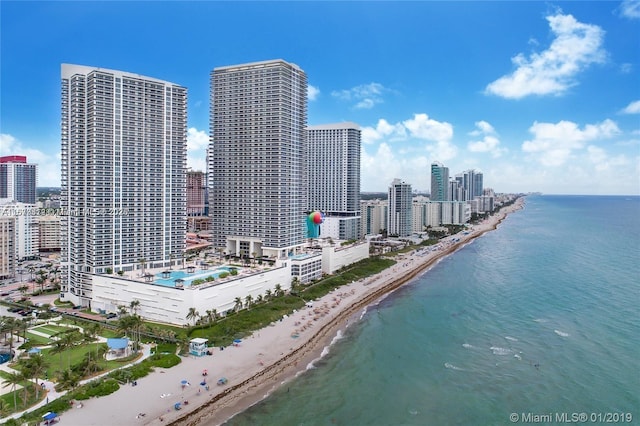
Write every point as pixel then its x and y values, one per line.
pixel 334 178
pixel 256 162
pixel 123 175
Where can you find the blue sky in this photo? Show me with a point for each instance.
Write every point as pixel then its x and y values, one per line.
pixel 539 96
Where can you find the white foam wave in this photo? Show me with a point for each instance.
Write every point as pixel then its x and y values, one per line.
pixel 364 312
pixel 540 320
pixel 467 345
pixel 561 333
pixel 513 339
pixel 517 356
pixel 452 367
pixel 339 336
pixel 325 350
pixel 500 351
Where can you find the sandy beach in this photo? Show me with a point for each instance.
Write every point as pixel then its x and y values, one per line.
pixel 262 361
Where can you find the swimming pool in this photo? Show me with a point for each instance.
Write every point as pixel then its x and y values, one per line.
pixel 4 358
pixel 188 277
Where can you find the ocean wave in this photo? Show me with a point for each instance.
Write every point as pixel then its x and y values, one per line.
pixel 540 320
pixel 517 356
pixel 513 339
pixel 452 367
pixel 561 333
pixel 468 346
pixel 500 351
pixel 325 351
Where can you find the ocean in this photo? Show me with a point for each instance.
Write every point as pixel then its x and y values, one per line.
pixel 538 318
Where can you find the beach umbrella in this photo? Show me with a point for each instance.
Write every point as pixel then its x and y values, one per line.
pixel 49 416
pixel 184 382
pixel 237 341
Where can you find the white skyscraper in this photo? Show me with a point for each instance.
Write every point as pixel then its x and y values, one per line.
pixel 400 209
pixel 334 178
pixel 256 162
pixel 123 174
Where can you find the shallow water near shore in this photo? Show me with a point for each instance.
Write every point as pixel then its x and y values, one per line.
pixel 540 316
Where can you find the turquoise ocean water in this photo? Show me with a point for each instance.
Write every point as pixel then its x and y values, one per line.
pixel 539 317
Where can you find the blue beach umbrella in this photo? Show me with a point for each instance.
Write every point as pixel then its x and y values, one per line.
pixel 237 341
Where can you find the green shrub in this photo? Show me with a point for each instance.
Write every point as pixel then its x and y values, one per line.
pixel 97 388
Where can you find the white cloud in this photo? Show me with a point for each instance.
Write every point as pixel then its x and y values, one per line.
pixel 483 128
pixel 379 168
pixel 602 162
pixel 197 139
pixel 552 71
pixel 312 93
pixel 438 134
pixel 48 163
pixel 630 9
pixel 554 144
pixel 489 142
pixel 197 143
pixel 365 95
pixel 383 130
pixel 423 127
pixel 632 108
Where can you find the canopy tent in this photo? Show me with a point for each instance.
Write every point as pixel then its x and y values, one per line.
pixel 50 415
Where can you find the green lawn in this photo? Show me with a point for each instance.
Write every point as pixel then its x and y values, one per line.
pixel 36 340
pixel 51 329
pixel 69 357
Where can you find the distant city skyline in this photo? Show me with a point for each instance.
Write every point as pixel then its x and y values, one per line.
pixel 537 96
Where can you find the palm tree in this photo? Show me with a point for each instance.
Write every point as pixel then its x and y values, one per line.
pixel 13 380
pixel 9 324
pixel 69 339
pixel 36 366
pixel 259 298
pixel 90 334
pixel 23 289
pixel 209 316
pixel 267 294
pixel 31 270
pixel 122 310
pixel 238 304
pixel 68 379
pixel 278 290
pixel 59 347
pixel 247 301
pixel 192 315
pixel 134 305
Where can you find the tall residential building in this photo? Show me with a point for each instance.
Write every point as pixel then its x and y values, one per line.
pixel 400 209
pixel 257 158
pixel 196 193
pixel 25 225
pixel 49 233
pixel 7 247
pixel 373 215
pixel 123 175
pixel 334 178
pixel 18 179
pixel 471 183
pixel 439 182
pixel 197 202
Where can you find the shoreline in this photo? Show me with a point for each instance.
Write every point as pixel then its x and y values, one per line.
pixel 269 357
